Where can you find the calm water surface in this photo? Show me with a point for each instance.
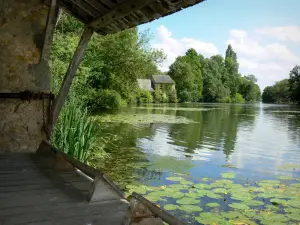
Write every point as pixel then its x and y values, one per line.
pixel 256 142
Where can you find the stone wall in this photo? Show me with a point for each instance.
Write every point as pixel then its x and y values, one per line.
pixel 22 27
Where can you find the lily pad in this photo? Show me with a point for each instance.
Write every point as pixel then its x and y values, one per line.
pixel 295 203
pixel 177 195
pixel 170 207
pixel 229 175
pixel 294 216
pixel 142 118
pixel 220 190
pixel 175 178
pixel 285 177
pixel 205 179
pixel 202 186
pixel 231 214
pixel 239 206
pixel 209 218
pixel 277 201
pixel 253 203
pixel 213 204
pixel 187 201
pixel 213 195
pixel 190 208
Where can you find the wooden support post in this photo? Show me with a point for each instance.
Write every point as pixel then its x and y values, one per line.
pixel 50 28
pixel 68 79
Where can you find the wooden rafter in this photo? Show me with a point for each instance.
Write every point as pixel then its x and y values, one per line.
pixel 122 9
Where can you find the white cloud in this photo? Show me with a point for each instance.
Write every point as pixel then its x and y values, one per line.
pixel 173 47
pixel 284 33
pixel 268 62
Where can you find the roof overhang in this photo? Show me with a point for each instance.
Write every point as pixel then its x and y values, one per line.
pixel 111 16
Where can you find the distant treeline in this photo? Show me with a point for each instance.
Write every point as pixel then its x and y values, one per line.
pixel 284 91
pixel 214 79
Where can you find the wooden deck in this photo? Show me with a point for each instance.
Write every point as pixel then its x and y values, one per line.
pixel 33 192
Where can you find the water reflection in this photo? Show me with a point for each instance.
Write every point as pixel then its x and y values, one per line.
pixel 258 139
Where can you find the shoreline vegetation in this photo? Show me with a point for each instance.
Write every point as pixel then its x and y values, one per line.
pixel 107 80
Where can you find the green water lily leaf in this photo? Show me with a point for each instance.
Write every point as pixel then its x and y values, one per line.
pixel 213 195
pixel 209 218
pixel 239 206
pixel 190 208
pixel 231 214
pixel 291 210
pixel 138 189
pixel 229 175
pixel 276 201
pixel 178 187
pixel 294 216
pixel 253 203
pixel 186 182
pixel 202 186
pixel 142 118
pixel 193 194
pixel 202 193
pixel 220 190
pixel 297 185
pixel 176 195
pixel 154 198
pixel 242 196
pixel 285 178
pixel 294 202
pixel 205 179
pixel 187 201
pixel 175 178
pixel 170 207
pixel 213 204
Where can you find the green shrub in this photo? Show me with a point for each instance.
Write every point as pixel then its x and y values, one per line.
pixel 225 99
pixel 158 95
pixel 238 98
pixel 75 132
pixel 172 95
pixel 106 99
pixel 144 96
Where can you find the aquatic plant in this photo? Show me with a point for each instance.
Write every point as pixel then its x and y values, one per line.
pixel 75 131
pixel 266 201
pixel 142 118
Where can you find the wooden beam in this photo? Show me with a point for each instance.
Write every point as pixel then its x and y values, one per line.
pixel 50 28
pixel 122 9
pixel 68 79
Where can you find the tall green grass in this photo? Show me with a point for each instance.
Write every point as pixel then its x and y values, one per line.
pixel 75 133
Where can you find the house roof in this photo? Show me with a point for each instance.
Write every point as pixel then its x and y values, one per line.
pixel 145 84
pixel 111 16
pixel 162 79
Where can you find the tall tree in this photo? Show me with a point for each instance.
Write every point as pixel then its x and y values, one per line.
pixel 231 77
pixel 294 82
pixel 181 73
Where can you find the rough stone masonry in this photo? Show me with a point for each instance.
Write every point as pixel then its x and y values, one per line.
pixel 22 28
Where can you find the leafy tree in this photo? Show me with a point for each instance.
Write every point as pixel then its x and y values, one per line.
pixel 278 93
pixel 231 77
pixel 294 82
pixel 249 90
pixel 181 73
pixel 213 87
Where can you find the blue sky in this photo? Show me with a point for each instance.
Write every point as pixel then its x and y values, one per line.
pixel 264 33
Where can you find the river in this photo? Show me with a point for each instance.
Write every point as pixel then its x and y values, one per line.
pixel 198 169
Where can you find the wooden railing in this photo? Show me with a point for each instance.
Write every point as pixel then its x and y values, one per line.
pixel 64 161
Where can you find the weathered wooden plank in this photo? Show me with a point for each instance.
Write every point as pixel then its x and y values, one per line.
pixel 29 187
pixel 103 206
pixel 114 219
pixel 18 215
pixel 87 8
pixel 50 28
pixel 68 79
pixel 121 10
